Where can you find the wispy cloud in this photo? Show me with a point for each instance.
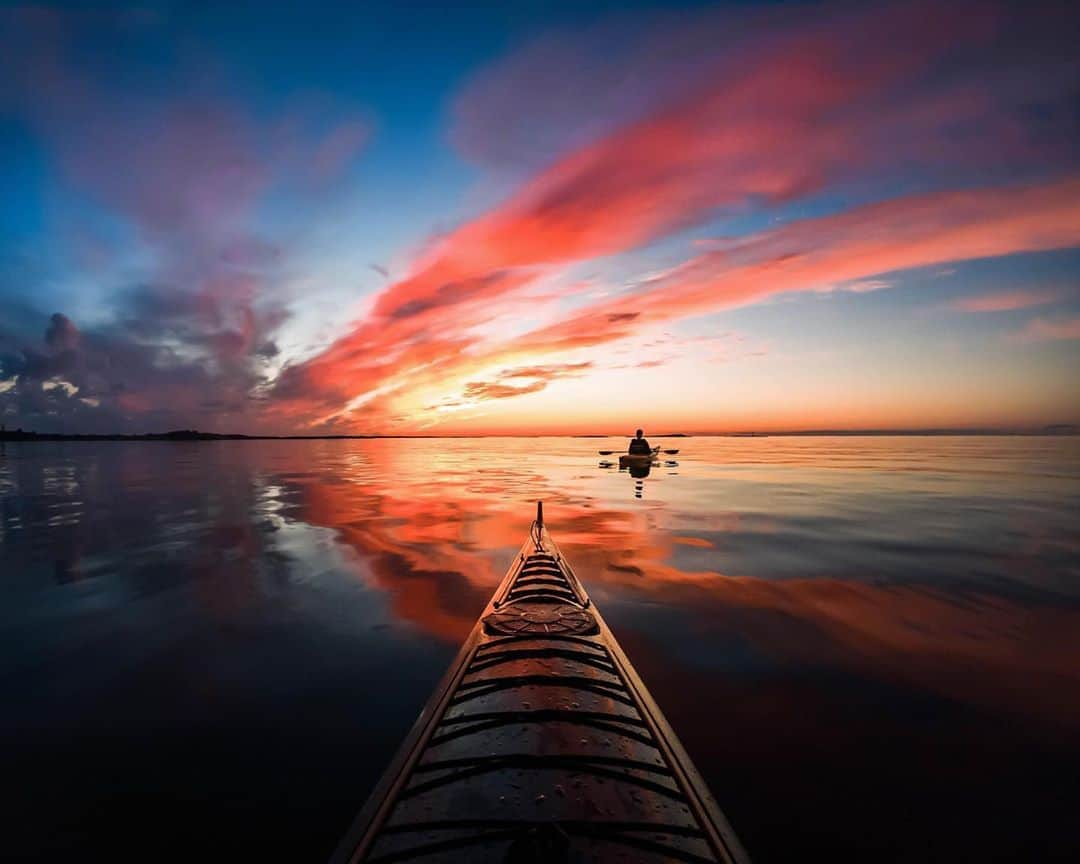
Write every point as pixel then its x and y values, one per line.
pixel 792 111
pixel 902 234
pixel 945 98
pixel 1005 301
pixel 865 286
pixel 508 383
pixel 1046 330
pixel 189 332
pixel 848 248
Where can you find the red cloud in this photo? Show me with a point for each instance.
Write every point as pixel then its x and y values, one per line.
pixel 856 94
pixel 902 234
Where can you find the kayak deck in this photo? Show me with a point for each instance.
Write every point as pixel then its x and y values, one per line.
pixel 541 744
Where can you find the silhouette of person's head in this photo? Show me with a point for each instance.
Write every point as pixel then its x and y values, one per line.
pixel 638 434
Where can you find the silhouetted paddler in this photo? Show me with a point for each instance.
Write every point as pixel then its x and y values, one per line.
pixel 639 445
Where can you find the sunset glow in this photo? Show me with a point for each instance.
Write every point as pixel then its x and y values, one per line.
pixel 746 218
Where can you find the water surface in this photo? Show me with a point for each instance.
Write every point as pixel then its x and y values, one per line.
pixel 868 645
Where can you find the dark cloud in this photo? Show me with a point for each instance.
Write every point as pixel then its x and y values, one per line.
pixel 166 359
pixel 451 293
pixel 268 350
pixel 61 334
pixel 546 371
pixel 489 390
pixel 538 378
pixel 179 173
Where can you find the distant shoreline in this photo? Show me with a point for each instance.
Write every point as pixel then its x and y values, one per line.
pixel 19 435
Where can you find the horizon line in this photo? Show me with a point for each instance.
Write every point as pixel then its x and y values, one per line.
pixel 1050 430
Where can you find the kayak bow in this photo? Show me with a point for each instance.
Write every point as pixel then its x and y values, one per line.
pixel 541 743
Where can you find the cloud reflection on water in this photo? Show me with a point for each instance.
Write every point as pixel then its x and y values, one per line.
pixel 439 548
pixel 887 609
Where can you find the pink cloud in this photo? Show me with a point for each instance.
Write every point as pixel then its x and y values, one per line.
pixel 956 84
pixel 1044 330
pixel 340 147
pixel 1005 301
pixel 901 234
pixel 195 162
pixel 186 170
pixel 854 247
pixel 186 174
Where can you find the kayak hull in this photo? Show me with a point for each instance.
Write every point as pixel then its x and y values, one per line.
pixel 636 460
pixel 541 744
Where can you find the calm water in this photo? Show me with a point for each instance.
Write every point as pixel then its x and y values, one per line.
pixel 871 647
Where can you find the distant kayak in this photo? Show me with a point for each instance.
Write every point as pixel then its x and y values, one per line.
pixel 671 452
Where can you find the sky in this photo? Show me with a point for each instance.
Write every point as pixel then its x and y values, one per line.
pixel 539 218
